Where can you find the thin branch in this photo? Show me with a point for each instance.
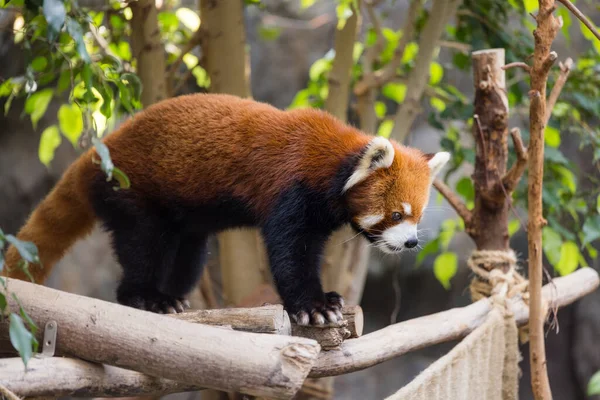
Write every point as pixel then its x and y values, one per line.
pixel 518 64
pixel 549 61
pixel 454 200
pixel 513 176
pixel 565 69
pixel 463 47
pixel 388 72
pixel 195 40
pixel 5 393
pixel 571 7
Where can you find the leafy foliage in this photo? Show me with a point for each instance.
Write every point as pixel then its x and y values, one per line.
pixel 570 195
pixel 22 337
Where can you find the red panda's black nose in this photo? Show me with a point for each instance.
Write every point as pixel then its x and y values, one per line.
pixel 410 243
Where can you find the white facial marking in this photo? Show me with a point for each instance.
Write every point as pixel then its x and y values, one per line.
pixel 369 221
pixel 407 209
pixel 393 238
pixel 379 154
pixel 437 162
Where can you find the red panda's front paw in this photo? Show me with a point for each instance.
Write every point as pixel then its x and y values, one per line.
pixel 319 312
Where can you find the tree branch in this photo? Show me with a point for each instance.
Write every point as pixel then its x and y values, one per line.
pixel 543 58
pixel 513 176
pixel 388 72
pixel 339 76
pixel 565 69
pixel 441 12
pixel 454 201
pixel 194 41
pixel 571 7
pixel 519 64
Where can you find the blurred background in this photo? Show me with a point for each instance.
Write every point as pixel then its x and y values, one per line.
pixel 61 89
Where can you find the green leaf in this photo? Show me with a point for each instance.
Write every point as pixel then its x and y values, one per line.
pixel 105 161
pixel 318 68
pixel 49 141
pixel 552 137
pixel 39 64
pixel 465 188
pixel 410 52
pixel 3 302
pixel 55 13
pixel 188 18
pixel 269 32
pixel 168 21
pixel 594 385
pixel 513 227
pixel 598 204
pixel 37 104
pixel 394 91
pixel 438 104
pixel 447 233
pixel 381 110
pixel 306 3
pixel 436 72
pixel 70 120
pixel 76 33
pixel 569 258
pixel 122 178
pixel 64 80
pixel 27 250
pixel 135 83
pixel 445 267
pixel 121 49
pixel 343 12
pixel 530 5
pixel 385 128
pixel 591 229
pixel 551 243
pixel 567 177
pixel 430 248
pixel 357 51
pixel 202 78
pixel 21 338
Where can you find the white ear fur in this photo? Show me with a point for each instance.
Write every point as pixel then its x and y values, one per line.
pixel 378 154
pixel 437 162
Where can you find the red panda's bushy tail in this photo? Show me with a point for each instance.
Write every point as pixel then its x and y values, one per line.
pixel 64 216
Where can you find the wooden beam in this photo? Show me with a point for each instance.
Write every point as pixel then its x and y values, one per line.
pixel 262 365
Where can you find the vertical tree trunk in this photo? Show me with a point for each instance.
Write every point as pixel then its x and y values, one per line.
pixel 543 59
pixel 241 253
pixel 489 227
pixel 148 51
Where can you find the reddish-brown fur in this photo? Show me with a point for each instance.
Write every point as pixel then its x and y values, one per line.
pixel 194 148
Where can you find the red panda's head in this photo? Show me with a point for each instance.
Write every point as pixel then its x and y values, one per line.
pixel 389 190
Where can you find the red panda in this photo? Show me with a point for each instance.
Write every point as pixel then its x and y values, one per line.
pixel 200 164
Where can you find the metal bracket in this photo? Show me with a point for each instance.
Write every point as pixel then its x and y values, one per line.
pixel 49 343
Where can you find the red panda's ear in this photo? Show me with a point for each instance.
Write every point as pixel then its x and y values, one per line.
pixel 378 154
pixel 437 161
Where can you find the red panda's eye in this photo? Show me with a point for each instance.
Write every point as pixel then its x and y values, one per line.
pixel 396 216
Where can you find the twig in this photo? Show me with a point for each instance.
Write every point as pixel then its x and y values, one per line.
pixel 549 61
pixel 565 69
pixel 518 64
pixel 5 393
pixel 194 41
pixel 512 177
pixel 463 47
pixel 454 200
pixel 581 17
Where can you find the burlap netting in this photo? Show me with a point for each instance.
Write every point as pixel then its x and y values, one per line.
pixel 485 365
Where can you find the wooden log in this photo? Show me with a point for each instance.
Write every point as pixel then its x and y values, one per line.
pixel 262 365
pixel 395 340
pixel 57 376
pixel 331 336
pixel 267 319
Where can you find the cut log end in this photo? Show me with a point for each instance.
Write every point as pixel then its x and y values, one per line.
pixel 333 335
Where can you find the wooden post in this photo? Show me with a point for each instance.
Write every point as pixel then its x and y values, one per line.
pixel 264 365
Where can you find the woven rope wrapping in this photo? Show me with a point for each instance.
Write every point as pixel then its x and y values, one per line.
pixel 496 274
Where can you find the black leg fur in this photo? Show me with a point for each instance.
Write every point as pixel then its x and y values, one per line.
pixel 295 236
pixel 180 277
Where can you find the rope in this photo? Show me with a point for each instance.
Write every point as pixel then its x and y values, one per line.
pixel 496 277
pixel 496 274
